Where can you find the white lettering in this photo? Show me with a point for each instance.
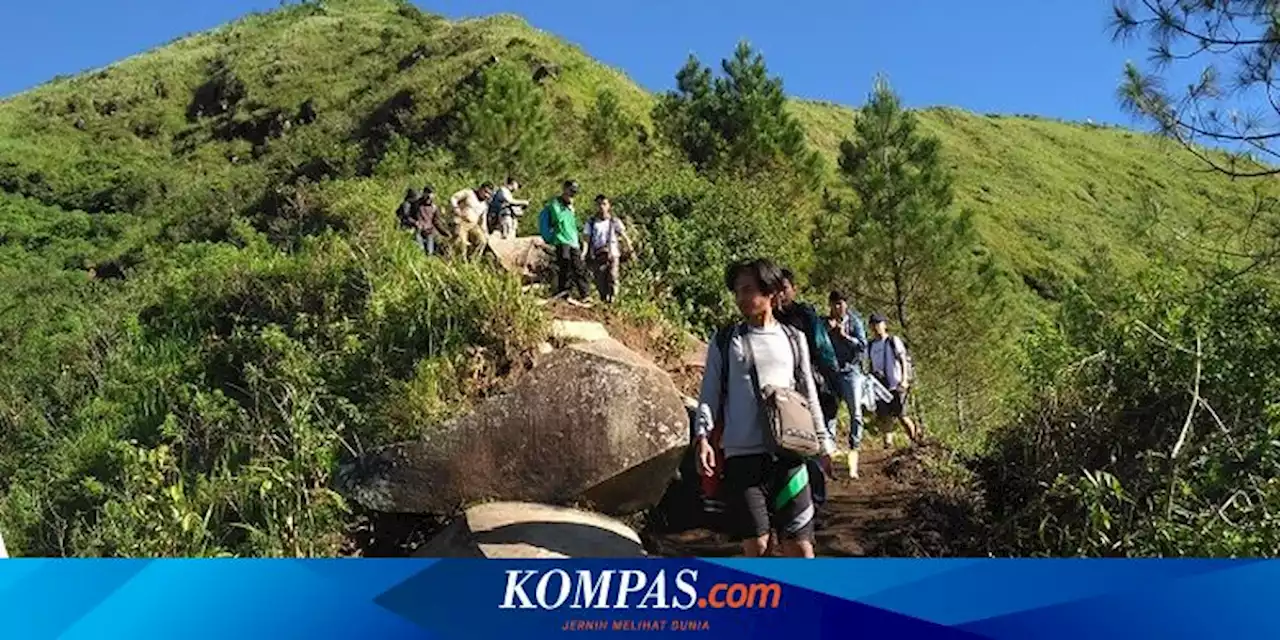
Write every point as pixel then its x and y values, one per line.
pixel 515 589
pixel 541 591
pixel 658 591
pixel 632 582
pixel 686 587
pixel 590 590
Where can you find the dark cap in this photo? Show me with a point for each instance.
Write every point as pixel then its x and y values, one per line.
pixel 428 189
pixel 877 318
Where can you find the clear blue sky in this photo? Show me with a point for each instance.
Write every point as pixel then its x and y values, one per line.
pixel 1048 57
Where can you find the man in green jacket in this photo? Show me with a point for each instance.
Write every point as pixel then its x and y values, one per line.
pixel 558 225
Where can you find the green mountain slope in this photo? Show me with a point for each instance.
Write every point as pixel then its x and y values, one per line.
pixel 205 303
pixel 330 89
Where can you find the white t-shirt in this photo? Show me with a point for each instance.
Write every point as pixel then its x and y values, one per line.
pixel 601 233
pixel 469 206
pixel 884 362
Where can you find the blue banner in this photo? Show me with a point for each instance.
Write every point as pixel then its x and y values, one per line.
pixel 1000 599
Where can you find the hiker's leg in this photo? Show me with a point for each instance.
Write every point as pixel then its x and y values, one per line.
pixel 478 242
pixel 851 391
pixel 430 244
pixel 613 278
pixel 798 548
pixel 599 277
pixel 579 273
pixel 563 268
pixel 794 507
pixel 748 507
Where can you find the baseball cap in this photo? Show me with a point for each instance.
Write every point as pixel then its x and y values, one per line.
pixel 877 317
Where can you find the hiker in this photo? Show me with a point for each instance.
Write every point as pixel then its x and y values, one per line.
pixel 803 317
pixel 849 339
pixel 505 210
pixel 405 211
pixel 891 365
pixel 558 225
pixel 470 207
pixel 604 237
pixel 428 225
pixel 766 486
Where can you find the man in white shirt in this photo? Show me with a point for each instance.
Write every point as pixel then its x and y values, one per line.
pixel 469 209
pixel 764 489
pixel 889 365
pixel 603 236
pixel 505 209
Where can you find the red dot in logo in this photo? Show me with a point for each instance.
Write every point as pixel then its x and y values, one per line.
pixel 702 603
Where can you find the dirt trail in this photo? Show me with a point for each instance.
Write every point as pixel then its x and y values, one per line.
pixel 868 516
pixel 872 515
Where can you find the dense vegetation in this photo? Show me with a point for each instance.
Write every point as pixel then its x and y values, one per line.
pixel 207 305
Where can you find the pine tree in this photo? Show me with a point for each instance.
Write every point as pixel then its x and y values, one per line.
pixel 902 234
pixel 735 123
pixel 899 248
pixel 610 130
pixel 504 127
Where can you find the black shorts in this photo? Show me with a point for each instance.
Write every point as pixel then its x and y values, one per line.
pixel 763 492
pixel 895 408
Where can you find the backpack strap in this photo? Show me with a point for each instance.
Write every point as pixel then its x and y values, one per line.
pixel 721 341
pixel 793 338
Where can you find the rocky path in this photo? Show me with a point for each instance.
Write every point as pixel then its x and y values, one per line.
pixel 867 516
pixel 863 517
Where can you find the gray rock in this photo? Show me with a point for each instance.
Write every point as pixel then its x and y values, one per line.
pixel 530 530
pixel 592 422
pixel 526 256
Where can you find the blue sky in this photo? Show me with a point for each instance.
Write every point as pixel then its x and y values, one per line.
pixel 1048 57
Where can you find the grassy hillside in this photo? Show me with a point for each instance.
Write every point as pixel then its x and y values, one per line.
pixel 206 304
pixel 365 87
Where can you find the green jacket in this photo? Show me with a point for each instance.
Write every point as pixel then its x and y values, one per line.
pixel 558 224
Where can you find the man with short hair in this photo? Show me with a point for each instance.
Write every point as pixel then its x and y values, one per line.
pixel 470 207
pixel 765 489
pixel 603 235
pixel 427 223
pixel 849 338
pixel 505 209
pixel 805 318
pixel 891 366
pixel 558 224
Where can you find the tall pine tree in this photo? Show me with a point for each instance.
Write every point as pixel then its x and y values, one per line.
pixel 901 237
pixel 900 249
pixel 736 123
pixel 504 127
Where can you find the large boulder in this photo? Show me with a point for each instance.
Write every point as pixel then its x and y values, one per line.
pixel 530 530
pixel 526 256
pixel 593 422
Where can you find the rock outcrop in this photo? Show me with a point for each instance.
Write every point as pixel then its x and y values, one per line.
pixel 530 530
pixel 594 422
pixel 526 256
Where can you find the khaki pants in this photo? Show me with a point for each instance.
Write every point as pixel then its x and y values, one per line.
pixel 470 239
pixel 605 271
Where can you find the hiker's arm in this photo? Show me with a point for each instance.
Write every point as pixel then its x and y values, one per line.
pixel 859 332
pixel 902 363
pixel 709 395
pixel 827 438
pixel 626 238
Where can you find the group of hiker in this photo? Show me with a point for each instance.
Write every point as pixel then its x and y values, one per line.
pixel 474 215
pixel 765 428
